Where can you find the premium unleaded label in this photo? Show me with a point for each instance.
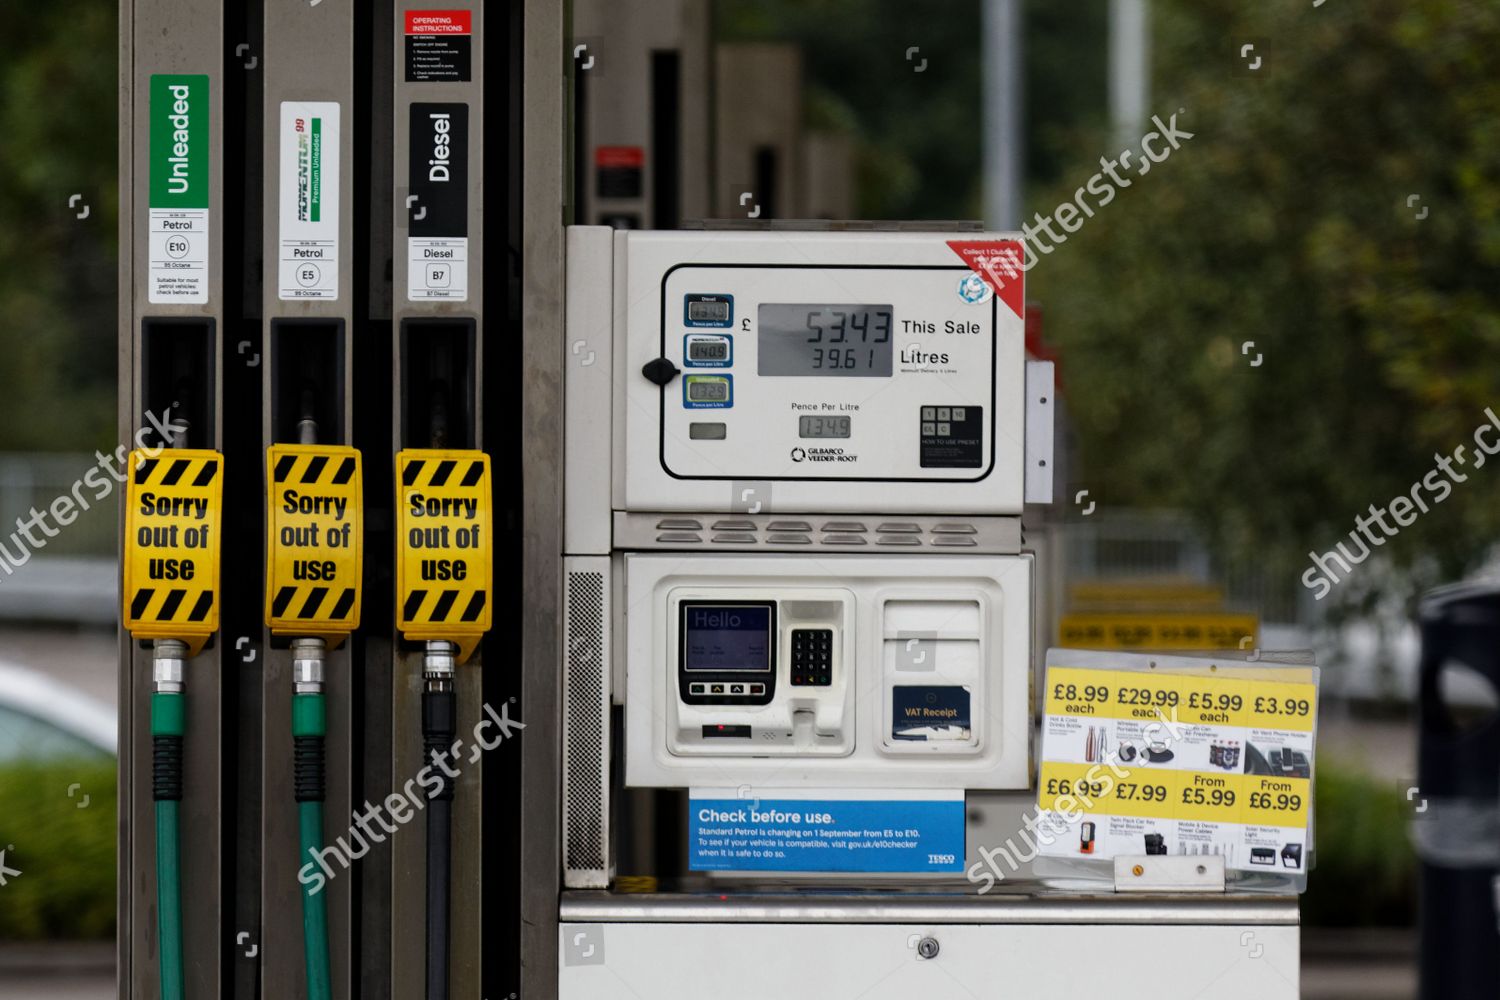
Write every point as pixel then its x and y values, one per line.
pixel 309 239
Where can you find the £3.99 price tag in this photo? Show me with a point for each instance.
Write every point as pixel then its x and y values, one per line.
pixel 1178 756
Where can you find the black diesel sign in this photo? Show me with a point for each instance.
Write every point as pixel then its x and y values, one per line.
pixel 438 141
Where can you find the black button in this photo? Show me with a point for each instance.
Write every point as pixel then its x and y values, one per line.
pixel 659 370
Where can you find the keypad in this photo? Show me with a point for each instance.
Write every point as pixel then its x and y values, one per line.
pixel 812 657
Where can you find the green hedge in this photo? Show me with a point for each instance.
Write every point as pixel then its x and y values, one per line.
pixel 1366 874
pixel 66 854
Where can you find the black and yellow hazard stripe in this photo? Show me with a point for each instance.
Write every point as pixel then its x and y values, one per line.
pixel 436 473
pixel 441 610
pixel 314 470
pixel 309 600
pixel 172 604
pixel 177 471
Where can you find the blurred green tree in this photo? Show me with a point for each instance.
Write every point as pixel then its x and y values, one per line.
pixel 58 97
pixel 918 135
pixel 1288 221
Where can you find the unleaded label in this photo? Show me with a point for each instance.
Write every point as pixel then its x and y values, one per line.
pixel 309 216
pixel 177 252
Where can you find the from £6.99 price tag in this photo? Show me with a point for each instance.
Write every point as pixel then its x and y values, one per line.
pixel 173 514
pixel 1188 758
pixel 444 545
pixel 314 538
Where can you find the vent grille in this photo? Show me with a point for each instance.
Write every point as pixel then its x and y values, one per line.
pixel 585 733
pixel 742 532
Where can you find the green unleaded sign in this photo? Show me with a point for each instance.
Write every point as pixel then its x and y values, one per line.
pixel 178 202
pixel 179 141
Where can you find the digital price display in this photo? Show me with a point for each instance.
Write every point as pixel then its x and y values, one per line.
pixel 823 427
pixel 701 309
pixel 715 391
pixel 708 350
pixel 824 339
pixel 708 312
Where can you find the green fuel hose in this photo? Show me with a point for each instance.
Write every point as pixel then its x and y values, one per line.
pixel 309 724
pixel 167 718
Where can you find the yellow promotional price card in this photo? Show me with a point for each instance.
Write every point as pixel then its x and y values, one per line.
pixel 1151 754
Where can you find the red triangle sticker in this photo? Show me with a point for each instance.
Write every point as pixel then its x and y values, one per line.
pixel 1000 264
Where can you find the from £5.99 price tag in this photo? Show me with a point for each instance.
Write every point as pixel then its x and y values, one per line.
pixel 173 514
pixel 1191 757
pixel 443 546
pixel 314 533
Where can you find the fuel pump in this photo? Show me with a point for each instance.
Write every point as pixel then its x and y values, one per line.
pixel 170 597
pixel 797 464
pixel 810 503
pixel 313 573
pixel 443 574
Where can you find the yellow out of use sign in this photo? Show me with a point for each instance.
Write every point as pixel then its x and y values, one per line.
pixel 444 546
pixel 314 532
pixel 173 515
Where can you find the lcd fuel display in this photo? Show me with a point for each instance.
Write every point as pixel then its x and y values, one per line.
pixel 824 339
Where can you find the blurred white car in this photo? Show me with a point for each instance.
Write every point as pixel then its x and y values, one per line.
pixel 42 720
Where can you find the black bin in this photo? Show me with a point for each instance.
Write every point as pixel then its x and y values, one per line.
pixel 1458 833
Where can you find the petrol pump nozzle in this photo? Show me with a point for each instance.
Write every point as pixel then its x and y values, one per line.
pixel 168 657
